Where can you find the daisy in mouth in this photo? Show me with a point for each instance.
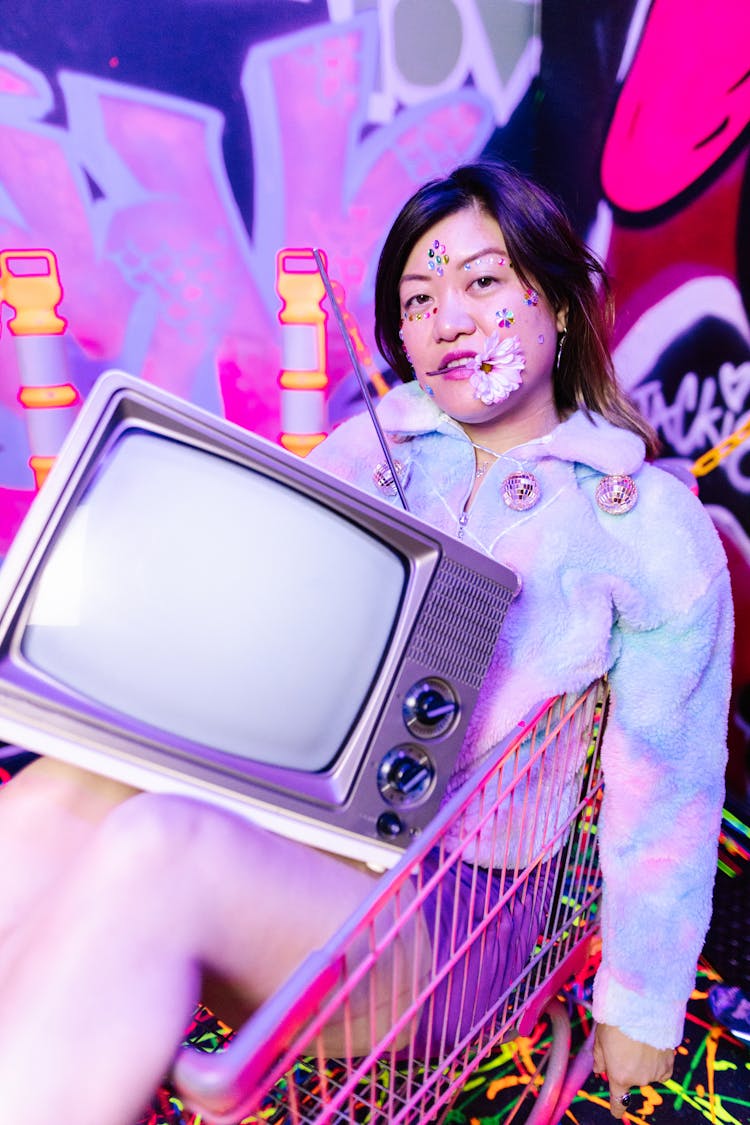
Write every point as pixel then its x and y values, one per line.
pixel 498 369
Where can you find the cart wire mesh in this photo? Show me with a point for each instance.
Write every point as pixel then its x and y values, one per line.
pixel 361 1031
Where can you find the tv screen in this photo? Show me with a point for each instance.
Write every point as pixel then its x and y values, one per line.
pixel 278 629
pixel 191 609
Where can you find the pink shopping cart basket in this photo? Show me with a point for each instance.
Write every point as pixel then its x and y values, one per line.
pixel 298 1058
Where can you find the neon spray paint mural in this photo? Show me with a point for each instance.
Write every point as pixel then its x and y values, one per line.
pixel 166 152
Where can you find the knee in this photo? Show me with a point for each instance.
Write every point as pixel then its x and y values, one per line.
pixel 164 860
pixel 144 839
pixel 159 837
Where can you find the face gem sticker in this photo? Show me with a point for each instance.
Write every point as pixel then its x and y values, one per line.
pixel 437 257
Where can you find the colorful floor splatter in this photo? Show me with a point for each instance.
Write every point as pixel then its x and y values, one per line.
pixel 711 1082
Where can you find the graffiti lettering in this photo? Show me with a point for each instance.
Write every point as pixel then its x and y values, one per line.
pixel 160 276
pixel 703 414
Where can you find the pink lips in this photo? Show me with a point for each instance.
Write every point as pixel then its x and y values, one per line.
pixel 456 373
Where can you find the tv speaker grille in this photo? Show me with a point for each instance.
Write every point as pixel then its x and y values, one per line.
pixel 460 622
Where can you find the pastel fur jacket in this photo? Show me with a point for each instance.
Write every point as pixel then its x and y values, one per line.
pixel 643 596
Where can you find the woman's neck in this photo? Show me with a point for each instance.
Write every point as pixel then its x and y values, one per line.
pixel 507 432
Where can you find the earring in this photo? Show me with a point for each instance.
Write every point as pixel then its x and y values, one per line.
pixel 561 342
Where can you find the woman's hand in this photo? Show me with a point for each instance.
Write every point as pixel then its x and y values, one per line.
pixel 625 1063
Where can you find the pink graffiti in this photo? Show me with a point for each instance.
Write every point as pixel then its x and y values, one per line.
pixel 683 104
pixel 160 275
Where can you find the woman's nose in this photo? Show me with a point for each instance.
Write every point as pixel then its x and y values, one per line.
pixel 452 318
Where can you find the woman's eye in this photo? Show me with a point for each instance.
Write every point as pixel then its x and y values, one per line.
pixel 416 300
pixel 484 282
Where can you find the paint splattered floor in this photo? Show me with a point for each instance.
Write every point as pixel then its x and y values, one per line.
pixel 711 1081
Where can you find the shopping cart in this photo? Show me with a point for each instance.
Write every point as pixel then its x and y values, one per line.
pixel 299 1059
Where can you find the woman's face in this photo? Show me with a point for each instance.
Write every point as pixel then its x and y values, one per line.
pixel 481 341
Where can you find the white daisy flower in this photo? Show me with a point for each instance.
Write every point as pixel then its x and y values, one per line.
pixel 498 369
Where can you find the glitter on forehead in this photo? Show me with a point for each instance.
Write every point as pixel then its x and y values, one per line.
pixel 505 318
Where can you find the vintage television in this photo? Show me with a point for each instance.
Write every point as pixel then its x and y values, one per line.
pixel 192 609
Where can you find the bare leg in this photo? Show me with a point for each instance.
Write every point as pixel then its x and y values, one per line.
pixel 48 813
pixel 96 1006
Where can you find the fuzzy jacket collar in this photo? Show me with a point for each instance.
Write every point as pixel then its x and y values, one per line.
pixel 583 438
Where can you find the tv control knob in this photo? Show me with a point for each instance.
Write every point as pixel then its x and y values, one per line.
pixel 430 708
pixel 406 775
pixel 389 825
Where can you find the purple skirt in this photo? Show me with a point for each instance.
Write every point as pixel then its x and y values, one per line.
pixel 453 913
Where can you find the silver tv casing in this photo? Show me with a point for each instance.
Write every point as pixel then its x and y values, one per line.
pixel 452 610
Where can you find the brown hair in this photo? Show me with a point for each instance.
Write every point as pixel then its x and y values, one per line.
pixel 547 252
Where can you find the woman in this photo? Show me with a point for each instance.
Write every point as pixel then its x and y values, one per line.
pixel 510 432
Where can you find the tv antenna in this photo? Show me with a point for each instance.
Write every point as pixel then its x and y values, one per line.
pixel 359 372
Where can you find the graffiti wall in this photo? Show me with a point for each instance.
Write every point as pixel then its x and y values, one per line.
pixel 165 208
pixel 166 150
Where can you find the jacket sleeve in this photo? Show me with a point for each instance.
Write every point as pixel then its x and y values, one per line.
pixel 664 753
